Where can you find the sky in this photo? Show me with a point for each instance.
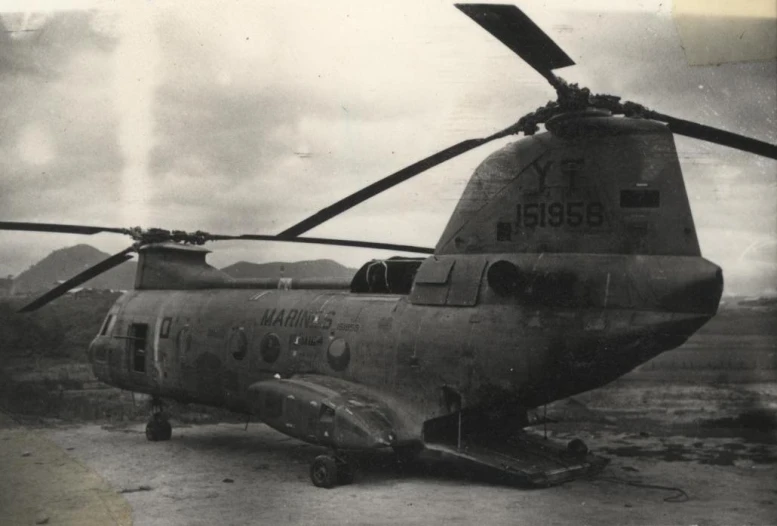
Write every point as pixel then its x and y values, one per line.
pixel 246 117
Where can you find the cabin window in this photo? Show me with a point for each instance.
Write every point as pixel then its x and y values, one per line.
pixel 138 333
pixel 106 325
pixel 270 348
pixel 640 198
pixel 164 332
pixel 338 354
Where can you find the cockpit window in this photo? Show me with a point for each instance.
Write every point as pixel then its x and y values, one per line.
pixel 107 325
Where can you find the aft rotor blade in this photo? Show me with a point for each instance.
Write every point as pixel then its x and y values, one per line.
pixel 327 241
pixel 715 135
pixel 390 181
pixel 58 228
pixel 517 31
pixel 83 277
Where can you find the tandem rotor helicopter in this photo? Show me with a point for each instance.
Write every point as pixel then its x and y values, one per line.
pixel 570 259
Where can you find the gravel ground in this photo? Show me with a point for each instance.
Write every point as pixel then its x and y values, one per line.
pixel 223 474
pixel 42 483
pixel 716 443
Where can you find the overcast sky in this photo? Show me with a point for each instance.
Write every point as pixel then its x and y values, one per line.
pixel 249 117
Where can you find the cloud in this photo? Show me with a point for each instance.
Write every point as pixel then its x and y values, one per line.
pixel 57 119
pixel 256 115
pixel 58 150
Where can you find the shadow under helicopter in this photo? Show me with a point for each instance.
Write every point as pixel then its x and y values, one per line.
pixel 373 468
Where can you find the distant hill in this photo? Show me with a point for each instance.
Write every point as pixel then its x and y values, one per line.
pixel 67 262
pixel 319 268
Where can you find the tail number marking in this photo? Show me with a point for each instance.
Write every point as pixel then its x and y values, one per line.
pixel 556 214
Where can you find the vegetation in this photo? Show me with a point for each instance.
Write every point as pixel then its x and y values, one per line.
pixel 62 329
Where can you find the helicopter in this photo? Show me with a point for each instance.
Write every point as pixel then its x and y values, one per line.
pixel 570 259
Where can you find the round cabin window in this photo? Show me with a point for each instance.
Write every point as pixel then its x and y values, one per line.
pixel 270 347
pixel 339 354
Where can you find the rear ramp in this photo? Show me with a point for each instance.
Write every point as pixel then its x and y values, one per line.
pixel 523 459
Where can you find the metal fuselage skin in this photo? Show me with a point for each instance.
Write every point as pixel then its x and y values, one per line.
pixel 209 346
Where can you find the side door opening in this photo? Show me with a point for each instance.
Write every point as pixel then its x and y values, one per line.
pixel 138 343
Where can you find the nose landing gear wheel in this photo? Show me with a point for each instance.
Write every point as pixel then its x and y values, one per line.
pixel 158 429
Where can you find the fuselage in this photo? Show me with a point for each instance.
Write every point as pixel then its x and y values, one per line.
pixel 554 338
pixel 570 259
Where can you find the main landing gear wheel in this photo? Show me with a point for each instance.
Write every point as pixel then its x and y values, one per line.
pixel 577 448
pixel 323 471
pixel 327 471
pixel 158 427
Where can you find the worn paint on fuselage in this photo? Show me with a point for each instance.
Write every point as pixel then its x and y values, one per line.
pixel 208 346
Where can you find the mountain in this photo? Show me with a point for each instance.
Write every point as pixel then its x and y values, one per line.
pixel 319 268
pixel 65 263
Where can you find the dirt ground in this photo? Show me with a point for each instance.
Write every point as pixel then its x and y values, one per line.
pixel 224 474
pixel 41 483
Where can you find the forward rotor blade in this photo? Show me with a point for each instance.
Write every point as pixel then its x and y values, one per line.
pixel 390 181
pixel 59 228
pixel 516 31
pixel 83 277
pixel 715 135
pixel 327 241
